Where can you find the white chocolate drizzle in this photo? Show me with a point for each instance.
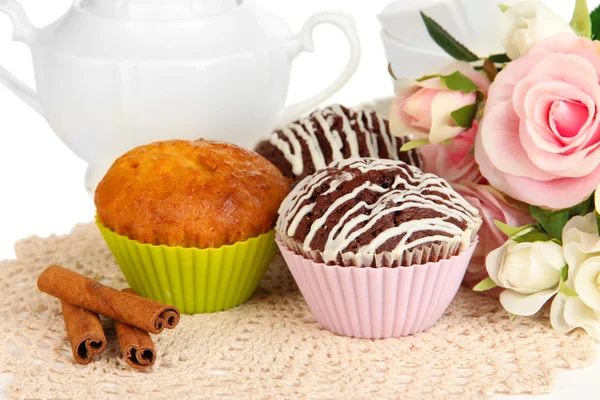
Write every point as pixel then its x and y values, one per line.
pixel 288 140
pixel 421 191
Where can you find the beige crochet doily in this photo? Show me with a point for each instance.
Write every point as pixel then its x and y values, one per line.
pixel 270 347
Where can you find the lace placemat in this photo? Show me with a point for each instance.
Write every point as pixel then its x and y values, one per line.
pixel 270 347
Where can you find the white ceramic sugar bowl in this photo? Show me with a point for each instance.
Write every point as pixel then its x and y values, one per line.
pixel 115 74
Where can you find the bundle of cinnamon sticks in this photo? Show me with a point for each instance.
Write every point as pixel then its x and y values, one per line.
pixel 83 299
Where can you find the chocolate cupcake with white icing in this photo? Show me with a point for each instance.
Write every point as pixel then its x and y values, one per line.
pixel 376 213
pixel 377 247
pixel 332 134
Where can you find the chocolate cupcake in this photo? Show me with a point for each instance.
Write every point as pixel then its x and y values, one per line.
pixel 377 247
pixel 332 134
pixel 376 213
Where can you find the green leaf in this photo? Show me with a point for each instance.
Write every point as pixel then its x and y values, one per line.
pixel 391 71
pixel 533 235
pixel 512 316
pixel 503 7
pixel 449 44
pixel 499 58
pixel 567 291
pixel 458 82
pixel 597 221
pixel 481 110
pixel 584 208
pixel 484 285
pixel 581 21
pixel 553 222
pixel 564 273
pixel 595 17
pixel 427 77
pixel 472 151
pixel 511 231
pixel 562 286
pixel 464 116
pixel 413 144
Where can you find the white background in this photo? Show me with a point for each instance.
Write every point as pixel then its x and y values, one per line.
pixel 41 181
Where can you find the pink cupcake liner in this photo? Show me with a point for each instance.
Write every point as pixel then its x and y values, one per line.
pixel 378 303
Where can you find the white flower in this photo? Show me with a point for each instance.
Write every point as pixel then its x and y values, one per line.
pixel 581 244
pixel 527 23
pixel 530 273
pixel 568 313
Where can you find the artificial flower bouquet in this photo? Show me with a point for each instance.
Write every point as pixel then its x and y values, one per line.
pixel 518 135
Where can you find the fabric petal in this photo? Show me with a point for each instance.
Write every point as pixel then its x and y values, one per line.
pixel 493 262
pixel 499 136
pixel 555 194
pixel 525 304
pixel 578 314
pixel 557 318
pixel 586 282
pixel 443 126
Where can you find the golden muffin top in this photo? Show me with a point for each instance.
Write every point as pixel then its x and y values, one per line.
pixel 200 194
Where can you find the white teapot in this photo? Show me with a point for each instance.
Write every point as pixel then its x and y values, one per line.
pixel 115 74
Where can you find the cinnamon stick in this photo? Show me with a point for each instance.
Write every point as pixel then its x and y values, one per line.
pixel 136 345
pixel 85 333
pixel 148 315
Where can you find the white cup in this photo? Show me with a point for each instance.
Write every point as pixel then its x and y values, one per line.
pixel 472 22
pixel 411 62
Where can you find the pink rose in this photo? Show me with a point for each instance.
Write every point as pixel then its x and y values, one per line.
pixel 493 206
pixel 454 162
pixel 424 108
pixel 539 140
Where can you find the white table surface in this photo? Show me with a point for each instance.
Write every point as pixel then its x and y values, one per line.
pixel 41 181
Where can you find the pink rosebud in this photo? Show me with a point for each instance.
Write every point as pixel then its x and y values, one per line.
pixel 424 108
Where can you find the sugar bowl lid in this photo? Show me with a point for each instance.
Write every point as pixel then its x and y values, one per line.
pixel 156 9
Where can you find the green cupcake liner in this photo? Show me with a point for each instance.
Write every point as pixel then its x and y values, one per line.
pixel 194 280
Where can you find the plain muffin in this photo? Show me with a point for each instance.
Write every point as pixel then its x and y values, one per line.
pixel 200 194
